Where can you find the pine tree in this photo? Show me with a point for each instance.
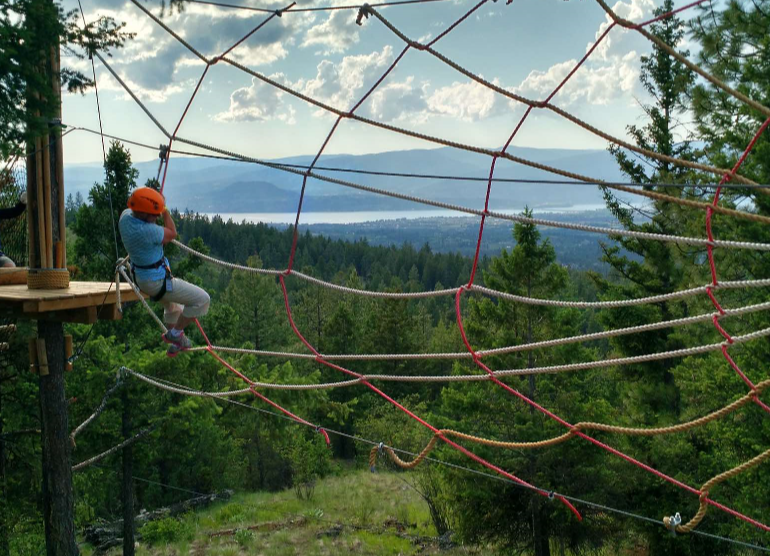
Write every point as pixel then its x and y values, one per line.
pixel 96 223
pixel 517 521
pixel 28 29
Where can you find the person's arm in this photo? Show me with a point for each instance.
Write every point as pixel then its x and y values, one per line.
pixel 15 211
pixel 169 227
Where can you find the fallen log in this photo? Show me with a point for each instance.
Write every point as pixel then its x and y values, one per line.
pixel 103 536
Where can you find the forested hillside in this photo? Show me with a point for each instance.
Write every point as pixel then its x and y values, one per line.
pixel 660 411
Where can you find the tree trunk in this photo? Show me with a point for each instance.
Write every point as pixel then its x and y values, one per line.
pixel 127 484
pixel 58 498
pixel 542 546
pixel 539 530
pixel 4 545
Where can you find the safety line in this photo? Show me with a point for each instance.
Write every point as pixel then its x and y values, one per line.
pixel 316 9
pixel 437 140
pixel 433 176
pixel 500 216
pixel 611 304
pixel 610 449
pixel 696 204
pixel 714 281
pixel 101 132
pixel 180 389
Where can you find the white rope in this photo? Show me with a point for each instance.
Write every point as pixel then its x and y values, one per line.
pixel 702 242
pixel 143 300
pixel 481 289
pixel 611 232
pixel 496 351
pixel 231 393
pixel 138 436
pixel 133 96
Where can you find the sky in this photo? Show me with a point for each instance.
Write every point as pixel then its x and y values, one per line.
pixel 526 47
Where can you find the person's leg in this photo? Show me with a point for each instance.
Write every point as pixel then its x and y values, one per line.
pixel 171 311
pixel 6 262
pixel 194 302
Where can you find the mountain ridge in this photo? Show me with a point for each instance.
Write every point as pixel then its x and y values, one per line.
pixel 215 185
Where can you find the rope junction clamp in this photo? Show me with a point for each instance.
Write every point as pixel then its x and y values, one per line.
pixel 672 522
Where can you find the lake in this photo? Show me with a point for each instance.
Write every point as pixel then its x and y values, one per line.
pixel 373 216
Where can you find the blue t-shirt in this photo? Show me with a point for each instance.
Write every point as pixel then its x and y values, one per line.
pixel 144 243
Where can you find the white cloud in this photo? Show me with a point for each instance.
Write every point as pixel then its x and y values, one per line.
pixel 399 101
pixel 467 101
pixel 335 35
pixel 151 62
pixel 338 84
pixel 616 41
pixel 595 84
pixel 259 102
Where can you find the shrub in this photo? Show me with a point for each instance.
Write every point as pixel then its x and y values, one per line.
pixel 166 530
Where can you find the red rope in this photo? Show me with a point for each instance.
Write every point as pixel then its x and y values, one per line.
pixel 319 358
pixel 295 236
pixel 178 125
pixel 510 140
pixel 550 414
pixel 569 426
pixel 713 266
pixel 200 81
pixel 253 390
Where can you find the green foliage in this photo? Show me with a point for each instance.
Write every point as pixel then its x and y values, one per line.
pixel 96 222
pixel 167 530
pixel 29 28
pixel 310 460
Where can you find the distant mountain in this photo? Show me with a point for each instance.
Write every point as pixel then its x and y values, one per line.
pixel 208 185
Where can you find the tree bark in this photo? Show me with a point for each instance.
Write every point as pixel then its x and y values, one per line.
pixel 5 549
pixel 58 498
pixel 127 483
pixel 539 531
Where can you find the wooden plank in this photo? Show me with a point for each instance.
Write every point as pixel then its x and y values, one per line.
pixel 13 276
pixel 40 204
pixel 80 295
pixel 110 312
pixel 48 200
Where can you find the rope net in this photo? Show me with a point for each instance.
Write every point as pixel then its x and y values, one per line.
pixel 728 177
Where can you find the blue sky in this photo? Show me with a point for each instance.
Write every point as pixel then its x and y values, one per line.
pixel 526 47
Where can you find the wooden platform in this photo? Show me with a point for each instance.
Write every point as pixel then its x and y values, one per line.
pixel 81 302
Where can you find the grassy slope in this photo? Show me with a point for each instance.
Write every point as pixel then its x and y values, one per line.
pixel 354 513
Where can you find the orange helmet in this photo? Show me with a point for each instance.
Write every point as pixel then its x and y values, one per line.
pixel 146 199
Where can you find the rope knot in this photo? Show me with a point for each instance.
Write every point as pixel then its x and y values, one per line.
pixel 215 60
pixel 363 13
pixel 279 13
